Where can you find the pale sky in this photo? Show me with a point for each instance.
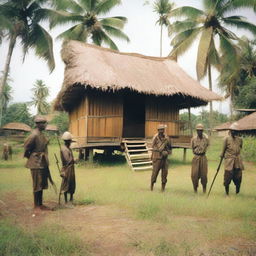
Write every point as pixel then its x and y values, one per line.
pixel 144 39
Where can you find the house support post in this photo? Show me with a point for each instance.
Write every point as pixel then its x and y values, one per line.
pixel 90 158
pixel 184 154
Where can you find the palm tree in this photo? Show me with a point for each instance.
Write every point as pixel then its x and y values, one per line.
pixel 163 9
pixel 40 94
pixel 5 98
pixel 231 80
pixel 86 23
pixel 24 18
pixel 212 25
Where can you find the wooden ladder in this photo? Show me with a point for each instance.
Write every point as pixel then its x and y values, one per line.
pixel 137 154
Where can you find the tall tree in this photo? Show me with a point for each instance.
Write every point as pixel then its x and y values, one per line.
pixel 39 98
pixel 212 23
pixel 163 9
pixel 24 23
pixel 86 21
pixel 5 98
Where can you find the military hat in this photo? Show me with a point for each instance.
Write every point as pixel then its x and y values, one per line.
pixel 233 126
pixel 199 127
pixel 40 119
pixel 161 126
pixel 67 136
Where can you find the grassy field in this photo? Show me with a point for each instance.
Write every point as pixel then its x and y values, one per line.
pixel 176 222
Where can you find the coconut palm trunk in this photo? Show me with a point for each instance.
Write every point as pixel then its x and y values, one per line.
pixel 13 38
pixel 161 40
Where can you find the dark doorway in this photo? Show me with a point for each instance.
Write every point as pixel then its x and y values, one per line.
pixel 134 116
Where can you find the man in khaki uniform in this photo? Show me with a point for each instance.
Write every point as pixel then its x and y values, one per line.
pixel 68 184
pixel 161 148
pixel 233 163
pixel 6 151
pixel 199 169
pixel 35 150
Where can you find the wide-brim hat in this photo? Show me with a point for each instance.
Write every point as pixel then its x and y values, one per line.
pixel 234 126
pixel 161 126
pixel 40 119
pixel 199 127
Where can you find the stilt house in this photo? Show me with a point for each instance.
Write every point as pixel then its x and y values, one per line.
pixel 111 96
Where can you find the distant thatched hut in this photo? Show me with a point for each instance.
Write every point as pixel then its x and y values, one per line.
pixel 222 129
pixel 111 95
pixel 247 124
pixel 16 128
pixel 52 128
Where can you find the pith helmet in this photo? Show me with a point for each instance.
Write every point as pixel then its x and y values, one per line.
pixel 67 136
pixel 199 127
pixel 161 126
pixel 234 126
pixel 40 119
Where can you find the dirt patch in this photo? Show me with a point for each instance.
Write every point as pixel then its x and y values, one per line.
pixel 111 231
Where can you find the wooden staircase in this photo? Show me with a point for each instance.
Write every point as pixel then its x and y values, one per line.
pixel 137 154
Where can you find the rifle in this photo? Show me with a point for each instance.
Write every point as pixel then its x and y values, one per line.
pixel 51 180
pixel 57 163
pixel 215 175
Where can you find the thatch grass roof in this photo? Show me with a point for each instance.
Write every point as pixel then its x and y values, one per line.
pixel 247 123
pixel 108 70
pixel 51 127
pixel 17 127
pixel 223 127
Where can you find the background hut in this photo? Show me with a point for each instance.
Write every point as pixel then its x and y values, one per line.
pixel 222 129
pixel 52 128
pixel 247 125
pixel 112 96
pixel 15 129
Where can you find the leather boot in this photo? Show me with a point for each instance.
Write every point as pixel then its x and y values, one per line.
pixel 163 187
pixel 40 197
pixel 237 189
pixel 227 190
pixel 204 189
pixel 35 195
pixel 151 186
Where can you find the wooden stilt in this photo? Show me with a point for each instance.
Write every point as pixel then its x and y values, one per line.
pixel 90 158
pixel 184 154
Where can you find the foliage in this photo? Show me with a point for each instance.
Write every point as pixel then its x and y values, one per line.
pixel 5 97
pixel 203 117
pixel 18 112
pixel 163 9
pixel 86 23
pixel 47 241
pixel 249 148
pixel 40 94
pixel 61 120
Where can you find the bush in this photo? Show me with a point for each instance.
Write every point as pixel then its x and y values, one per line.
pixel 249 148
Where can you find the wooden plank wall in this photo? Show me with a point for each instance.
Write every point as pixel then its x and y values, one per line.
pixel 105 117
pixel 161 112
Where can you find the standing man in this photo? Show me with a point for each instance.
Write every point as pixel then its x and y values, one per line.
pixel 233 163
pixel 199 144
pixel 5 151
pixel 35 150
pixel 161 147
pixel 68 184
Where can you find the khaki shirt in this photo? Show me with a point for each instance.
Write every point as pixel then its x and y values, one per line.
pixel 231 152
pixel 199 146
pixel 160 144
pixel 35 149
pixel 66 156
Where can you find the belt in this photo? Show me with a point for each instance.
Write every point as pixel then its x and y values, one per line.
pixel 199 154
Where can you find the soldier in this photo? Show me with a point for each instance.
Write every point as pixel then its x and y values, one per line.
pixel 68 184
pixel 36 152
pixel 233 163
pixel 161 149
pixel 199 168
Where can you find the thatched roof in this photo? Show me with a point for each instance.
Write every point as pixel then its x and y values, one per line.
pixel 51 127
pixel 108 70
pixel 17 127
pixel 223 127
pixel 247 123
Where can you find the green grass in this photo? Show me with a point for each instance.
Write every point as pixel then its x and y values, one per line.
pixel 52 241
pixel 191 218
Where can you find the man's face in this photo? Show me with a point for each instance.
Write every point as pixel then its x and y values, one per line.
pixel 233 133
pixel 41 126
pixel 68 143
pixel 161 131
pixel 199 133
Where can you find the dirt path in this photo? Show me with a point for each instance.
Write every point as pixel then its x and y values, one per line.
pixel 111 231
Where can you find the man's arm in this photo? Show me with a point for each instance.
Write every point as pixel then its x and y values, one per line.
pixel 224 147
pixel 29 145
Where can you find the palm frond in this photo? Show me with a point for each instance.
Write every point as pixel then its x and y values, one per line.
pixel 187 11
pixel 77 32
pixel 183 41
pixel 108 41
pixel 180 26
pixel 214 57
pixel 203 52
pixel 239 23
pixel 105 6
pixel 116 32
pixel 67 5
pixel 117 22
pixel 41 41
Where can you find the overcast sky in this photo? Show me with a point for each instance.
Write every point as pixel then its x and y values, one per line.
pixel 144 38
